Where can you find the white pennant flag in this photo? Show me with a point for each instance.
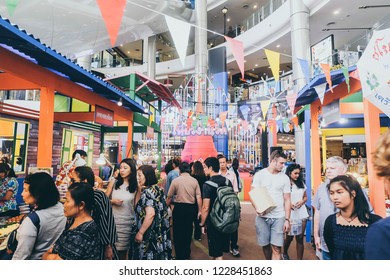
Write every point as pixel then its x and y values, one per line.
pixel 180 32
pixel 320 89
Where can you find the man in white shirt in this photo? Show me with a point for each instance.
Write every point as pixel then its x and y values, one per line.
pixel 271 226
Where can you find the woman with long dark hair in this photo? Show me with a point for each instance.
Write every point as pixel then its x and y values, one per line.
pixel 121 193
pixel 197 171
pixel 151 228
pixel 345 231
pixel 299 214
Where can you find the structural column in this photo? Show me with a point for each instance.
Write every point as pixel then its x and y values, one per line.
pixel 151 57
pixel 129 147
pixel 45 128
pixel 85 62
pixel 372 133
pixel 300 45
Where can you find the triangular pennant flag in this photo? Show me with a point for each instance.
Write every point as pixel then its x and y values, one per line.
pixel 222 117
pixel 112 12
pixel 326 69
pixel 305 68
pixel 245 111
pixel 180 32
pixel 291 100
pixel 205 120
pixel 295 121
pixel 274 62
pixel 264 107
pixel 189 123
pixel 262 123
pixel 11 6
pixel 237 48
pixel 212 123
pixel 244 125
pixel 320 89
pixel 346 76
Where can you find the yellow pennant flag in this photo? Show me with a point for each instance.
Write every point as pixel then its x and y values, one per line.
pixel 274 62
pixel 264 107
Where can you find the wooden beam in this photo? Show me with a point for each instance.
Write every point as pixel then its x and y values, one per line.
pixel 38 75
pixel 11 82
pixel 45 128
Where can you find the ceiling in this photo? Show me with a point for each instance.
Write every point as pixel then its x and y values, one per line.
pixel 75 28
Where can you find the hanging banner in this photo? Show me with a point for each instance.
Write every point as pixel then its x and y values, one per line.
pixel 112 12
pixel 237 48
pixel 291 98
pixel 305 68
pixel 346 76
pixel 264 107
pixel 104 116
pixel 326 69
pixel 11 6
pixel 180 32
pixel 274 62
pixel 320 89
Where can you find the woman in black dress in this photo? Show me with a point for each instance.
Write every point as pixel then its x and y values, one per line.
pixel 345 231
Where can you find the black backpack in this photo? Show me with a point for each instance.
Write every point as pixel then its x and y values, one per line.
pixel 225 213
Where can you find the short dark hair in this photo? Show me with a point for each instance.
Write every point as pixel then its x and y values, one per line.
pixel 168 167
pixel 235 163
pixel 184 167
pixel 19 160
pixel 43 189
pixel 150 175
pixel 213 162
pixel 176 161
pixel 86 173
pixel 221 156
pixel 82 192
pixel 82 153
pixel 277 154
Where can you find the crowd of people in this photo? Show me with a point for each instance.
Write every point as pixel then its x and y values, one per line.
pixel 137 218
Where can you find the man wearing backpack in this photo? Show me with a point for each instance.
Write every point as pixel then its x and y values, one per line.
pixel 217 240
pixel 225 172
pixel 271 226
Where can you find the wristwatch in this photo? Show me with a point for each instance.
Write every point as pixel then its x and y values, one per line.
pixel 287 219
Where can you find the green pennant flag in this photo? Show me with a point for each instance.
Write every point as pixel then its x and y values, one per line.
pixel 11 6
pixel 205 120
pixel 346 76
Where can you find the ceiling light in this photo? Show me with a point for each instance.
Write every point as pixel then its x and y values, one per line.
pixel 336 12
pixel 168 82
pixel 228 19
pixel 256 65
pixel 278 46
pixel 120 103
pixel 254 6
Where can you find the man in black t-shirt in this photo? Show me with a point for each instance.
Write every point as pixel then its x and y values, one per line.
pixel 217 241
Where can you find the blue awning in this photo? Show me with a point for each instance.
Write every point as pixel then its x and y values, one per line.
pixel 308 94
pixel 30 48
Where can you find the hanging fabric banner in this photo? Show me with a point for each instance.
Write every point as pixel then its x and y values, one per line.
pixel 274 62
pixel 291 100
pixel 237 48
pixel 112 12
pixel 346 76
pixel 326 69
pixel 320 89
pixel 222 117
pixel 264 107
pixel 305 68
pixel 11 6
pixel 180 32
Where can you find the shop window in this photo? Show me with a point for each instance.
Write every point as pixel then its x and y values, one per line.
pixel 76 140
pixel 80 106
pixel 13 143
pixel 61 103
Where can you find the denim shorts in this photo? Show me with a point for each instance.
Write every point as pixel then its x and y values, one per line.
pixel 269 230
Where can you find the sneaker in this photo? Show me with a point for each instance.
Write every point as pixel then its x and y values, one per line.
pixel 285 257
pixel 235 252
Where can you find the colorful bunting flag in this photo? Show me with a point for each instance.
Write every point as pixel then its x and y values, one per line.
pixel 295 121
pixel 346 76
pixel 11 6
pixel 222 117
pixel 326 69
pixel 180 32
pixel 237 48
pixel 244 125
pixel 291 100
pixel 305 68
pixel 320 89
pixel 264 107
pixel 245 111
pixel 112 12
pixel 274 62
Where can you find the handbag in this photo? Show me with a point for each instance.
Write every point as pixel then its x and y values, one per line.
pixel 12 242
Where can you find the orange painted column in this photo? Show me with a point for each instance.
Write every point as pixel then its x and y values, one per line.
pixel 129 147
pixel 315 147
pixel 372 133
pixel 45 128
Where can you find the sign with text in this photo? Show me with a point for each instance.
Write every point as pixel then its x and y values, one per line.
pixel 103 116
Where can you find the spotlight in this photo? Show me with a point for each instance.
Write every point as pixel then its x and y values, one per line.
pixel 120 103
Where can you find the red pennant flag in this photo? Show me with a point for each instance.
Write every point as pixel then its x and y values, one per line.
pixel 326 69
pixel 237 48
pixel 112 12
